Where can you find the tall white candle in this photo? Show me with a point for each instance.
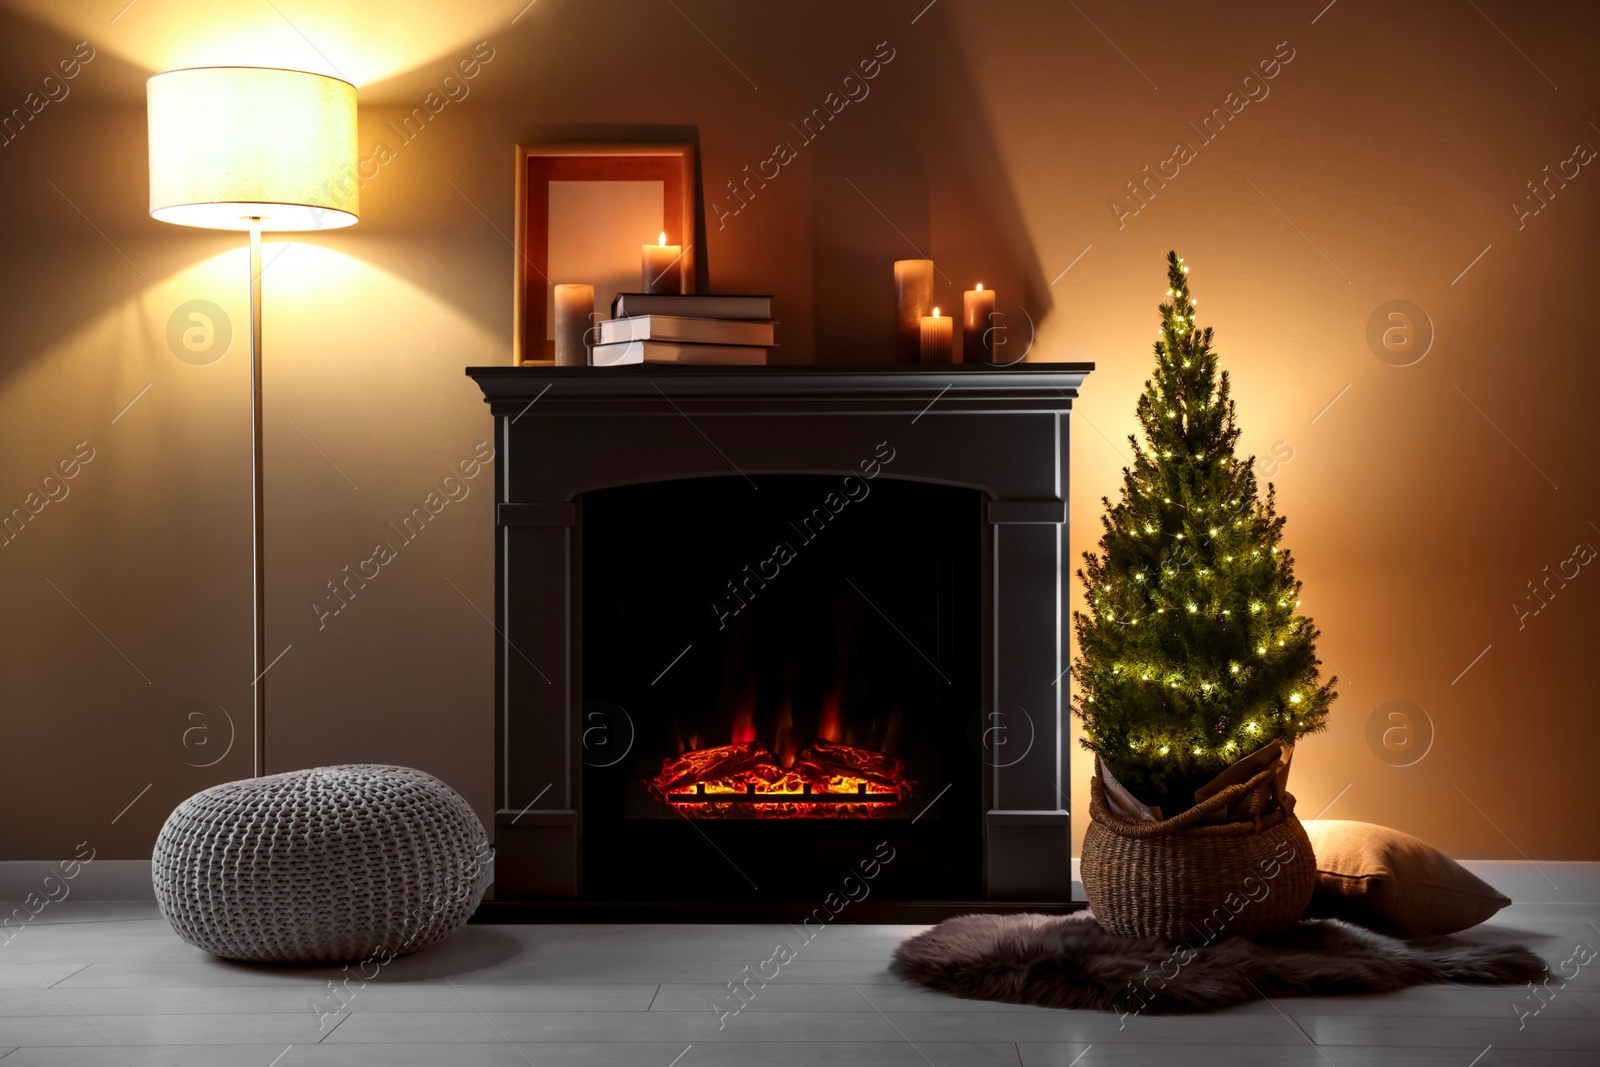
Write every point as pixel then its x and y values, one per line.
pixel 574 309
pixel 977 312
pixel 913 295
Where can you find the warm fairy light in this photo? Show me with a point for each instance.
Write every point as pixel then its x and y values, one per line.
pixel 1294 698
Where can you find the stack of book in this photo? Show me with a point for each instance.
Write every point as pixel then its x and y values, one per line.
pixel 684 328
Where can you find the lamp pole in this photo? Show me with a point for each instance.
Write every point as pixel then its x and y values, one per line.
pixel 232 145
pixel 258 721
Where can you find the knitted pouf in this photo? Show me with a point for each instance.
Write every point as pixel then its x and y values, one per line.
pixel 324 865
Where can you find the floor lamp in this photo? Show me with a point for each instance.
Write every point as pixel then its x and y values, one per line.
pixel 258 149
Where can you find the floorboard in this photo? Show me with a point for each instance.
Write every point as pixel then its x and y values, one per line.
pixel 110 984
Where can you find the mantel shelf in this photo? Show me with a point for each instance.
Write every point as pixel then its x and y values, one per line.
pixel 799 387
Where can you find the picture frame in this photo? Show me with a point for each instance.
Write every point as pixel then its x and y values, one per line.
pixel 587 205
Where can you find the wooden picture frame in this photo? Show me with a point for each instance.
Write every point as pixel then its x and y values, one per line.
pixel 537 167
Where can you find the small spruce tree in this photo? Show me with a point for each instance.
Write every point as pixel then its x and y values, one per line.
pixel 1192 653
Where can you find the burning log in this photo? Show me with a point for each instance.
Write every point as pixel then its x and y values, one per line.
pixel 731 781
pixel 828 764
pixel 730 764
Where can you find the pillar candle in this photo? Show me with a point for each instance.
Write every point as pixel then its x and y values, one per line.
pixel 977 309
pixel 913 295
pixel 935 339
pixel 663 267
pixel 574 308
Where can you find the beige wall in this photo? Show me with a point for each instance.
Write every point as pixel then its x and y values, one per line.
pixel 1383 161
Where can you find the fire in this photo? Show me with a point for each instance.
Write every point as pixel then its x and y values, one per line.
pixel 744 720
pixel 744 780
pixel 828 728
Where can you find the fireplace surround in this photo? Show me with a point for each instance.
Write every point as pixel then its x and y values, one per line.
pixel 757 625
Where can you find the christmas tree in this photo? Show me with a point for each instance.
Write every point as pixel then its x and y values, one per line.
pixel 1193 652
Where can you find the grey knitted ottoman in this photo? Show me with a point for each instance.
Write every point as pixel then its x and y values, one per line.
pixel 324 865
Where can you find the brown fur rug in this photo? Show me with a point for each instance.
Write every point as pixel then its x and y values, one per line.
pixel 1069 961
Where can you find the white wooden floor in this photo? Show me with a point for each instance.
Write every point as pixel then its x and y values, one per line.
pixel 109 984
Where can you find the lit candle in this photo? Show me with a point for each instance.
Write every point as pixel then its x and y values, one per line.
pixel 936 338
pixel 662 271
pixel 913 295
pixel 574 308
pixel 977 311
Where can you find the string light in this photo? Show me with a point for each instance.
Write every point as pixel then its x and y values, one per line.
pixel 1294 698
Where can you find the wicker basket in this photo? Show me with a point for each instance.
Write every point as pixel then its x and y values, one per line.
pixel 1186 880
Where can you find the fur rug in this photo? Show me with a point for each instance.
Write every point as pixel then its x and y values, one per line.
pixel 1069 961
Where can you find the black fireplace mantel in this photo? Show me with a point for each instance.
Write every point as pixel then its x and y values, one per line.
pixel 564 431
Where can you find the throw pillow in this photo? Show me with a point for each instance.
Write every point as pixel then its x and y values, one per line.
pixel 1391 881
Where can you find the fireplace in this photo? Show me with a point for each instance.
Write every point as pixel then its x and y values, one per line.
pixel 759 625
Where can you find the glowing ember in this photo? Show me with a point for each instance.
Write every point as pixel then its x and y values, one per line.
pixel 744 780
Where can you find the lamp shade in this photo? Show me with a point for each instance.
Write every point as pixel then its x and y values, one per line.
pixel 231 143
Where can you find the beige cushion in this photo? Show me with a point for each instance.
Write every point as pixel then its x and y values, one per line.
pixel 1392 881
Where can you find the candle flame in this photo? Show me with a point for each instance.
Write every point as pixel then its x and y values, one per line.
pixel 935 312
pixel 663 240
pixel 980 287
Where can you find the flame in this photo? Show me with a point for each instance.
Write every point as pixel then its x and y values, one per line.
pixel 935 312
pixel 828 726
pixel 784 742
pixel 663 241
pixel 980 287
pixel 744 717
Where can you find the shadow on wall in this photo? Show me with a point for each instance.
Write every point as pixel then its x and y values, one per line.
pixel 812 178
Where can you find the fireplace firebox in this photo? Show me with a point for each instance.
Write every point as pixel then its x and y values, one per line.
pixel 757 626
pixel 799 651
